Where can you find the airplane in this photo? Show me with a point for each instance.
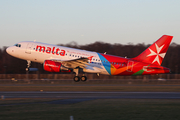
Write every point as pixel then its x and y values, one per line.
pixel 64 59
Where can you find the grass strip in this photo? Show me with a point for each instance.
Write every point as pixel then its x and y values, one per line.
pixel 100 109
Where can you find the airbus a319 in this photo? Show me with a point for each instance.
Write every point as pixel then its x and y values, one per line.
pixel 64 59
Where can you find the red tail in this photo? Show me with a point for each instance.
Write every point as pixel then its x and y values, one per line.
pixel 156 52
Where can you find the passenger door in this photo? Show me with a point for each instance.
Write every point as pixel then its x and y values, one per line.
pixel 29 48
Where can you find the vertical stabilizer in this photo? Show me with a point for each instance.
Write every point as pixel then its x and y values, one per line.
pixel 156 52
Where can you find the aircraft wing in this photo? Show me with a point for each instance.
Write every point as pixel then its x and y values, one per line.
pixel 80 62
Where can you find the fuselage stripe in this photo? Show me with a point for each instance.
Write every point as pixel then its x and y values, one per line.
pixel 105 63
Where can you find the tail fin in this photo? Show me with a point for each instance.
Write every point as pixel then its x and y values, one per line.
pixel 156 52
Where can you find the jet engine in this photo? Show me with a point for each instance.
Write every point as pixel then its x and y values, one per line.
pixel 52 66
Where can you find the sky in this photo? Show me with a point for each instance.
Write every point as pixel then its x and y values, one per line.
pixel 88 21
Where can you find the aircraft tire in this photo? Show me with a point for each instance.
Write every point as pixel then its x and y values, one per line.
pixel 83 78
pixel 76 78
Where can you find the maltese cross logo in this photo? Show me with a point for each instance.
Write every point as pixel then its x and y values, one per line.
pixel 158 54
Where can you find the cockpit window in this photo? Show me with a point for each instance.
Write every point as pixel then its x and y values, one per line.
pixel 17 45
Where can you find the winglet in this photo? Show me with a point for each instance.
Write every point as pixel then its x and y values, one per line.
pixel 156 52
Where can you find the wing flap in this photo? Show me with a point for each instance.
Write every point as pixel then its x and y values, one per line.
pixel 80 62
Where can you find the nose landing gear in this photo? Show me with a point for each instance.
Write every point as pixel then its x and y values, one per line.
pixel 28 65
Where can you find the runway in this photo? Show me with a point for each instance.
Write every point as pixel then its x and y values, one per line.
pixel 93 95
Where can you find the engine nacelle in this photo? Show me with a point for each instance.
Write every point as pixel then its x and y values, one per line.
pixel 52 66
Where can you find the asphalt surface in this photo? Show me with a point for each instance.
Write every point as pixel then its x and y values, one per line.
pixel 75 97
pixel 93 95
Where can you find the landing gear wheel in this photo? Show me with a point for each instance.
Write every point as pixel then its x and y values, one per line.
pixel 28 65
pixel 83 78
pixel 76 78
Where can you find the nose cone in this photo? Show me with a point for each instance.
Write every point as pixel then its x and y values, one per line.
pixel 9 50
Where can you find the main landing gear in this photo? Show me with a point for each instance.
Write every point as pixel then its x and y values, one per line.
pixel 77 78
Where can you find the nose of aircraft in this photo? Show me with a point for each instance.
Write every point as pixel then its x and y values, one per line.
pixel 9 50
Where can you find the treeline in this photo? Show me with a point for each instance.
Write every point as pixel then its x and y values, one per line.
pixel 11 65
